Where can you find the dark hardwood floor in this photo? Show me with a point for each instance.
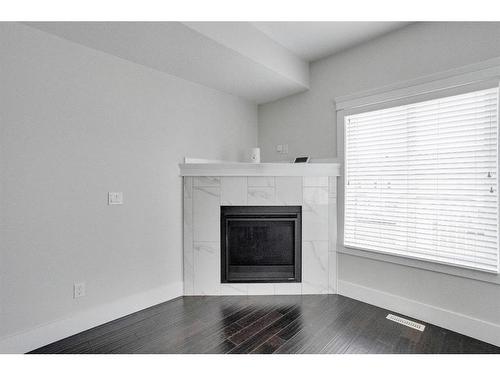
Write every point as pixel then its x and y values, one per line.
pixel 264 324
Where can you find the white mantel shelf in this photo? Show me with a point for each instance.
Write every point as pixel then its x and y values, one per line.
pixel 259 169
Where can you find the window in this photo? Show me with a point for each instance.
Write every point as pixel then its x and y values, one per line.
pixel 421 180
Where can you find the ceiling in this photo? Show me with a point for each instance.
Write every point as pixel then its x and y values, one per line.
pixel 258 61
pixel 314 40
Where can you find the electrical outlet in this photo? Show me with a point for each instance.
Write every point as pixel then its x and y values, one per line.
pixel 115 197
pixel 282 149
pixel 78 290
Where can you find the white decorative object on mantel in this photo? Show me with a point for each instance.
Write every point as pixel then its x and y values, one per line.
pixel 209 185
pixel 254 155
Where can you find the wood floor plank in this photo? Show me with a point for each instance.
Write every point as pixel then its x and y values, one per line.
pixel 263 325
pixel 314 323
pixel 250 331
pixel 263 305
pixel 341 335
pixel 177 323
pixel 269 346
pixel 171 339
pixel 292 329
pixel 263 335
pixel 222 348
pixel 81 339
pixel 368 340
pixel 214 334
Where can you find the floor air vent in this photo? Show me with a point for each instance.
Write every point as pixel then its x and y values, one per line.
pixel 406 322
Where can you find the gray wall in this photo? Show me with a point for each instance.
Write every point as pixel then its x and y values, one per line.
pixel 75 124
pixel 307 123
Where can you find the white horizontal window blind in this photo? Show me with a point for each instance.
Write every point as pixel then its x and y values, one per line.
pixel 421 180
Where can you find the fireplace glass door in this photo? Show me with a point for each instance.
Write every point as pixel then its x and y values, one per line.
pixel 260 244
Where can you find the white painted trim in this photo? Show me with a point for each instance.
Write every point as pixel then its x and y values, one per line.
pixel 23 342
pixel 469 74
pixel 188 160
pixel 464 324
pixel 259 169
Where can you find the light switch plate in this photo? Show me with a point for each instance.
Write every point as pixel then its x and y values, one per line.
pixel 115 197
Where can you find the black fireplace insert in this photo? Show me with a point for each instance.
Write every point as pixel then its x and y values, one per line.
pixel 261 244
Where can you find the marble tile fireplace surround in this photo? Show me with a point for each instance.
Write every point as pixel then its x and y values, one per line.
pixel 209 185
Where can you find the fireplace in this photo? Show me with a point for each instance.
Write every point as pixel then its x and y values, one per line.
pixel 261 244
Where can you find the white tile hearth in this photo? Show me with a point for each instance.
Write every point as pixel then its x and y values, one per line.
pixel 314 267
pixel 207 267
pixel 206 213
pixel 188 236
pixel 316 195
pixel 261 181
pixel 332 222
pixel 206 181
pixel 203 197
pixel 332 232
pixel 332 186
pixel 316 181
pixel 288 191
pixel 260 289
pixel 236 289
pixel 315 214
pixel 287 288
pixel 233 191
pixel 332 272
pixel 261 196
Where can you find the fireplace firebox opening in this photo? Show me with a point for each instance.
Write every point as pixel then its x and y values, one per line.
pixel 261 244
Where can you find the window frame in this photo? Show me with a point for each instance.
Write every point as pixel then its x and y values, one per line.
pixel 392 98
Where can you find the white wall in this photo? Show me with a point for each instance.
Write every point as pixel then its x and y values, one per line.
pixel 75 124
pixel 307 123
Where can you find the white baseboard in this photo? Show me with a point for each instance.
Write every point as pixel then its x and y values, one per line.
pixel 466 325
pixel 45 334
